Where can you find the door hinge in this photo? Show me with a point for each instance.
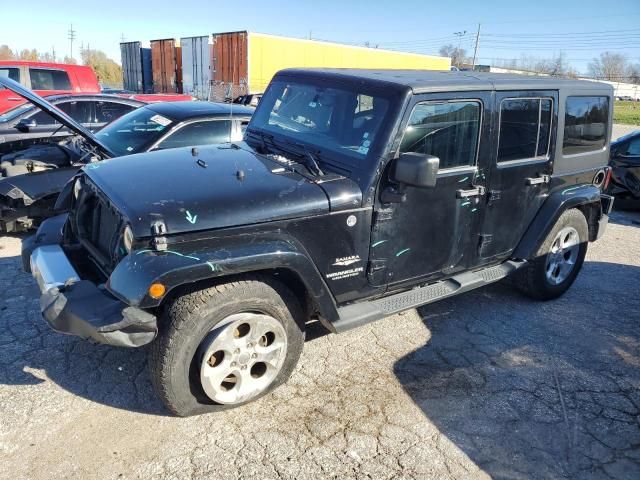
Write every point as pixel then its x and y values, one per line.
pixel 474 192
pixel 537 180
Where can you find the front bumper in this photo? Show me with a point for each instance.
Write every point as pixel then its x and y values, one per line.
pixel 79 307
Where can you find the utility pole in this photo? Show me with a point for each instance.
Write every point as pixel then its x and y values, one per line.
pixel 459 35
pixel 71 37
pixel 53 53
pixel 122 38
pixel 475 50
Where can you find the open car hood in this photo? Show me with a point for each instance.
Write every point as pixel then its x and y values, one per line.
pixel 59 115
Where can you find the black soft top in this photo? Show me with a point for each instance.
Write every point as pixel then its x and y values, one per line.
pixel 426 81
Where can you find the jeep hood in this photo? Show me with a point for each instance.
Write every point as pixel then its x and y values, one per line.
pixel 59 115
pixel 219 187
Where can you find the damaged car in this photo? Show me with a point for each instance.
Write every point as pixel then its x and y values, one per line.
pixel 625 168
pixel 27 124
pixel 33 178
pixel 355 195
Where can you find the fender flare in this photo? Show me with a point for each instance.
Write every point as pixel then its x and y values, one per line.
pixel 132 277
pixel 548 215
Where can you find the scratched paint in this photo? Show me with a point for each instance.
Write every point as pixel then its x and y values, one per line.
pixel 569 190
pixel 379 242
pixel 463 179
pixel 464 204
pixel 402 252
pixel 474 209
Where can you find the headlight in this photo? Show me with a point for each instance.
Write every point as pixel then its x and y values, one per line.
pixel 127 238
pixel 77 188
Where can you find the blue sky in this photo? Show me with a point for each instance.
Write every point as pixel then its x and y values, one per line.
pixel 541 28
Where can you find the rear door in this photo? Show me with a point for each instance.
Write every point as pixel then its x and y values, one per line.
pixel 9 99
pixel 519 175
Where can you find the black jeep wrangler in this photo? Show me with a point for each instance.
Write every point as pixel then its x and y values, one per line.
pixel 354 195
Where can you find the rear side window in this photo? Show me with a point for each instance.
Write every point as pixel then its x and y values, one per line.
pixel 585 124
pixel 45 79
pixel 79 111
pixel 199 133
pixel 525 125
pixel 447 130
pixel 108 111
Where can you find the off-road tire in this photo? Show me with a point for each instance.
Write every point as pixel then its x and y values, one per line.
pixel 188 319
pixel 532 279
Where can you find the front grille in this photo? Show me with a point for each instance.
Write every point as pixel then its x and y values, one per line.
pixel 97 226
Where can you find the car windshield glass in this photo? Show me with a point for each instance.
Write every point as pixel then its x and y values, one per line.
pixel 15 112
pixel 134 132
pixel 343 121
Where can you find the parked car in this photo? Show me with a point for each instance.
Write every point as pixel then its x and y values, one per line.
pixel 27 124
pixel 34 177
pixel 149 97
pixel 625 165
pixel 250 100
pixel 355 195
pixel 45 79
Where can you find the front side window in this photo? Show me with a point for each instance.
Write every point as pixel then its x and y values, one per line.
pixel 79 111
pixel 585 124
pixel 525 124
pixel 343 120
pixel 199 133
pixel 448 130
pixel 45 79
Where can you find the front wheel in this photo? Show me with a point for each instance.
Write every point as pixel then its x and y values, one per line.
pixel 558 260
pixel 226 345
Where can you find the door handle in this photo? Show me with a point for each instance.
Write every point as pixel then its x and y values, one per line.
pixel 537 180
pixel 474 192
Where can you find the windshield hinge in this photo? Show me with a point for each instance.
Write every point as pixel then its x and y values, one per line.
pixel 158 230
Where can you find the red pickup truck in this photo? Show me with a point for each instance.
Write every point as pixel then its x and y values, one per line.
pixel 45 79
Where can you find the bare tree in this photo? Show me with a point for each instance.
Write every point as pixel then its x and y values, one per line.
pixel 6 53
pixel 457 55
pixel 633 72
pixel 26 54
pixel 609 66
pixel 70 60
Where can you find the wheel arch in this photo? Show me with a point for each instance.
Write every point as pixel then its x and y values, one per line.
pixel 585 198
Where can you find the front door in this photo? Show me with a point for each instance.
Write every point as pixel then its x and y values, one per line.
pixel 433 232
pixel 519 175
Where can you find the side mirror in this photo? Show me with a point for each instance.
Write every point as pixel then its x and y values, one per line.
pixel 416 169
pixel 26 124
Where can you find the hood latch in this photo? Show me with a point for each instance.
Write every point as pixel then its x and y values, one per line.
pixel 158 230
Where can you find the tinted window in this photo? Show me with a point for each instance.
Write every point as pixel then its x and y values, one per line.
pixel 43 118
pixel 106 112
pixel 10 72
pixel 585 124
pixel 525 124
pixel 79 111
pixel 447 130
pixel 199 133
pixel 43 79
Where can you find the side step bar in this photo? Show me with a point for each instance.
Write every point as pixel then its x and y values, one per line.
pixel 357 314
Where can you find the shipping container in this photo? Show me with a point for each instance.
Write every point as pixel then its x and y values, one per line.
pixel 196 66
pixel 166 63
pixel 136 67
pixel 244 62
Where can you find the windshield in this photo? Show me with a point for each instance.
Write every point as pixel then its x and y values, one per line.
pixel 15 112
pixel 336 119
pixel 134 132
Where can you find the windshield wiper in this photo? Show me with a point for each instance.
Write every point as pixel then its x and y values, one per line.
pixel 310 159
pixel 263 136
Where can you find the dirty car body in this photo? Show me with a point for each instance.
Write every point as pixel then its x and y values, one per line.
pixel 364 193
pixel 33 178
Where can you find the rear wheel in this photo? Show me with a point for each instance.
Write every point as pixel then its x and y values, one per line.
pixel 226 345
pixel 558 260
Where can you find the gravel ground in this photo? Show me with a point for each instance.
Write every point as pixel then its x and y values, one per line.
pixel 488 384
